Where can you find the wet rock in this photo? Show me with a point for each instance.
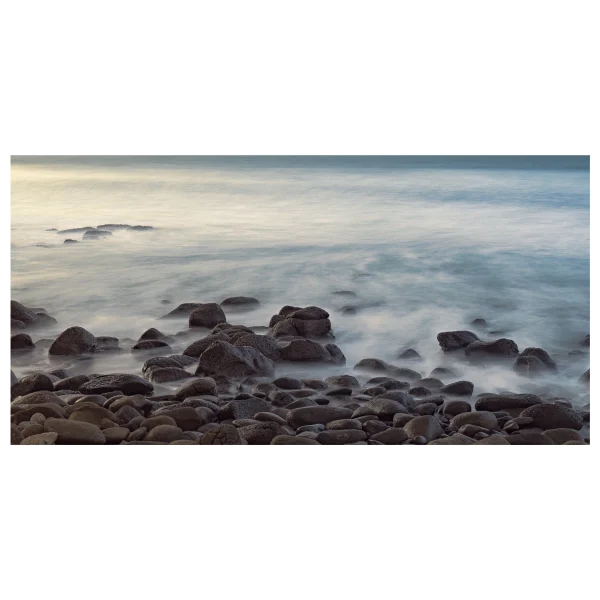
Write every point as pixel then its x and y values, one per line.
pixel 342 381
pixel 240 303
pixel 585 378
pixel 243 409
pixel 31 383
pixel 221 435
pixel 90 413
pixel 43 320
pixel 188 418
pixel 431 383
pixel 399 396
pixel 456 407
pixel 261 433
pixel 75 230
pixel 222 358
pixel 152 334
pixel 442 372
pixel 528 438
pixel 341 436
pixel 494 440
pixel 496 402
pixel 32 429
pixel 529 366
pixel 287 383
pixel 70 383
pixel 39 397
pixel 19 312
pixel 409 354
pixel 404 374
pixel 16 325
pixel 344 424
pixel 562 435
pixel 117 382
pixel 384 408
pixel 425 408
pixel 21 342
pixel 151 346
pixel 264 344
pixel 458 439
pixel 315 384
pixel 70 241
pixel 164 433
pixel 74 432
pixel 72 342
pixel 48 410
pixel 197 387
pixel 183 310
pixel 541 355
pixel 483 419
pixel 585 342
pixel 305 351
pixel 553 416
pixel 270 417
pixel 392 435
pixel 94 234
pixel 41 439
pixel 454 340
pixel 207 315
pixel 348 310
pixel 500 348
pixel 167 375
pixel 293 440
pixel 115 435
pixel 372 364
pixel 424 426
pixel 458 388
pixel 313 415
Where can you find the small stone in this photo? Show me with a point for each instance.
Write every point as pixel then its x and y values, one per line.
pixel 40 439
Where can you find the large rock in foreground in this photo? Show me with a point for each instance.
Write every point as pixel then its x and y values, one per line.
pixel 222 358
pixel 207 315
pixel 117 382
pixel 553 416
pixel 311 351
pixel 309 322
pixel 498 349
pixel 454 340
pixel 72 342
pixel 74 432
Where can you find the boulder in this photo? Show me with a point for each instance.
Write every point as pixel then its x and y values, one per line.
pixel 156 346
pixel 541 355
pixel 425 426
pixel 264 344
pixel 529 438
pixel 221 435
pixel 372 364
pixel 454 340
pixel 384 408
pixel 409 354
pixel 195 349
pixel 74 432
pixel 585 378
pixel 244 408
pixel 481 418
pixel 585 342
pixel 305 351
pixel 152 334
pixel 340 436
pixel 90 413
pixel 498 349
pixel 167 375
pixel 19 312
pixel 561 435
pixel 391 436
pixel 313 415
pixel 47 410
pixel 117 382
pixel 115 435
pixel 31 383
pixel 496 402
pixel 183 310
pixel 458 388
pixel 39 397
pixel 70 383
pixel 186 417
pixel 261 433
pixel 456 407
pixel 21 342
pixel 41 439
pixel 240 303
pixel 197 387
pixel 293 440
pixel 222 358
pixel 207 315
pixel 72 342
pixel 164 433
pixel 553 416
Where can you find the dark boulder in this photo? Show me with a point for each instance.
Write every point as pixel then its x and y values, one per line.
pixel 585 342
pixel 306 351
pixel 496 402
pixel 73 341
pixel 117 382
pixel 293 440
pixel 207 315
pixel 240 303
pixel 529 366
pixel 458 388
pixel 197 387
pixel 36 382
pixel 553 416
pixel 167 375
pixel 152 334
pixel 314 415
pixel 264 344
pixel 21 342
pixel 195 349
pixel 70 241
pixel 19 312
pixel 244 408
pixel 500 348
pixel 454 340
pixel 540 354
pixel 481 418
pixel 154 346
pixel 261 433
pixel 183 310
pixel 221 435
pixel 409 354
pixel 425 426
pixel 585 378
pixel 222 358
pixel 341 436
pixel 94 234
pixel 383 408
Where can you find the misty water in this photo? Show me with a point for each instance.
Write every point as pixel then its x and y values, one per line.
pixel 427 246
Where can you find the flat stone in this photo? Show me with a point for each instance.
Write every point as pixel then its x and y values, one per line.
pixel 74 432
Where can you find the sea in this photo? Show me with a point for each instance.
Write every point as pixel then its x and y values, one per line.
pixel 427 244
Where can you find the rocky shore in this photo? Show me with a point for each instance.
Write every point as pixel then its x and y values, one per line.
pixel 230 386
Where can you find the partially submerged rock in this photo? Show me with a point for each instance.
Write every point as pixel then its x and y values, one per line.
pixel 207 315
pixel 73 341
pixel 222 358
pixel 455 340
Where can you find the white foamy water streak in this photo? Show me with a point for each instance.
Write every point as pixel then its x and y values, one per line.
pixel 440 247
